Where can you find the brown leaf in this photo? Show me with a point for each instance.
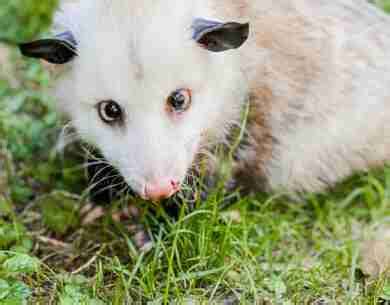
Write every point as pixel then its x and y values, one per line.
pixel 93 215
pixel 375 253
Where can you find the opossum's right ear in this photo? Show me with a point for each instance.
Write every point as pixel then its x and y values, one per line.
pixel 218 37
pixel 58 50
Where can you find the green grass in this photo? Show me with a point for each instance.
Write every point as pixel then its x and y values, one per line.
pixel 385 4
pixel 21 20
pixel 264 249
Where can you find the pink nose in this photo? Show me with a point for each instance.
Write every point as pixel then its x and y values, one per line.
pixel 161 189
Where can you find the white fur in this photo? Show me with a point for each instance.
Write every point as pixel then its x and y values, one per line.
pixel 137 53
pixel 349 125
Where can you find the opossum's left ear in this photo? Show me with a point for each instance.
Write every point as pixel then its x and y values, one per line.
pixel 219 37
pixel 58 50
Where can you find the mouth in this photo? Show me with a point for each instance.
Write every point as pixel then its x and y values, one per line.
pixel 106 184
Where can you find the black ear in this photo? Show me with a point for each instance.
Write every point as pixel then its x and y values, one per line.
pixel 58 50
pixel 219 37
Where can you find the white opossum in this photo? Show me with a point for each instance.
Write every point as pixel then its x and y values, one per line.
pixel 151 83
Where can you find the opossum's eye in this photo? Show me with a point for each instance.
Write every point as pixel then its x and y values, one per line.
pixel 180 100
pixel 110 112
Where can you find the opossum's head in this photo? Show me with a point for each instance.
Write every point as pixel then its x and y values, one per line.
pixel 149 84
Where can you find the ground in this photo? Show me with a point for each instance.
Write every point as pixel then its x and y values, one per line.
pixel 263 249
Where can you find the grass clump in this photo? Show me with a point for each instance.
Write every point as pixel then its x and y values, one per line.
pixel 60 212
pixel 21 20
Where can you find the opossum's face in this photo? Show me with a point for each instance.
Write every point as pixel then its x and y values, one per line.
pixel 150 102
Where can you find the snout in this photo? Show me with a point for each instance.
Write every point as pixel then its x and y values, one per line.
pixel 161 189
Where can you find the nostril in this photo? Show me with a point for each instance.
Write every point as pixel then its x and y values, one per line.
pixel 175 185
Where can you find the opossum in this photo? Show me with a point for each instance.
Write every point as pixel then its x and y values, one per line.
pixel 153 84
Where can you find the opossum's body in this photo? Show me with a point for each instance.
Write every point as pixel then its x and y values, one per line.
pixel 316 74
pixel 320 92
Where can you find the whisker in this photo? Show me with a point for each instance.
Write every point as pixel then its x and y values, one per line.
pixel 92 186
pixel 67 136
pixel 108 188
pixel 100 171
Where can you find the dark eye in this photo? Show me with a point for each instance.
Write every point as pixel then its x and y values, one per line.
pixel 110 112
pixel 180 100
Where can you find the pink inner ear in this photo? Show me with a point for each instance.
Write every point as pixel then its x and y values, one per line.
pixel 206 42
